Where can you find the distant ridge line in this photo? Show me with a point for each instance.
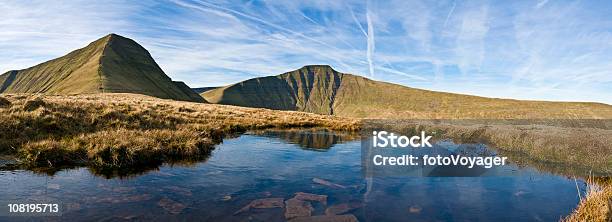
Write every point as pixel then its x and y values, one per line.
pixel 321 89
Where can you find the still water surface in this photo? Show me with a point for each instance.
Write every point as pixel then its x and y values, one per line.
pixel 279 164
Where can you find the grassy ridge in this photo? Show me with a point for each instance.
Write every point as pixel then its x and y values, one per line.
pixel 321 89
pixel 123 130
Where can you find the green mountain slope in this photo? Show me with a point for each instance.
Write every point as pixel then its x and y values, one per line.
pixel 111 64
pixel 320 89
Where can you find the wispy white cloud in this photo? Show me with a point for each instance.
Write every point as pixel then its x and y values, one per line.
pixel 450 13
pixel 357 22
pixel 541 3
pixel 35 31
pixel 396 72
pixel 528 50
pixel 470 46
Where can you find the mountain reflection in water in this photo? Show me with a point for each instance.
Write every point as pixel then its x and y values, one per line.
pixel 310 139
pixel 258 167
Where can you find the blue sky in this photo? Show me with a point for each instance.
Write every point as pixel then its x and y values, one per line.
pixel 540 49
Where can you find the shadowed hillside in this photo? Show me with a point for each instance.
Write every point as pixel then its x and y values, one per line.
pixel 320 89
pixel 203 89
pixel 111 64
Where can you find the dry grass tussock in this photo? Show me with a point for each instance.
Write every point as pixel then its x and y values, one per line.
pixel 122 130
pixel 597 205
pixel 4 103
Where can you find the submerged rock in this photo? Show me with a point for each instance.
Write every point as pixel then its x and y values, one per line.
pixel 6 161
pixel 122 189
pixel 171 206
pixel 53 186
pixel 267 203
pixel 520 193
pixel 415 209
pixel 311 197
pixel 226 198
pixel 131 217
pixel 179 190
pixel 72 207
pixel 297 208
pixel 327 218
pixel 327 183
pixel 165 174
pixel 263 203
pixel 121 199
pixel 342 208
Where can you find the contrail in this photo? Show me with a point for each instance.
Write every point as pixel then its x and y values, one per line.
pixel 309 19
pixel 369 54
pixel 450 13
pixel 357 21
pixel 256 19
pixel 371 46
pixel 335 36
pixel 228 11
pixel 541 3
pixel 400 73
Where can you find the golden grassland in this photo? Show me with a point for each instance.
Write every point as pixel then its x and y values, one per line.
pixel 597 205
pixel 585 144
pixel 123 130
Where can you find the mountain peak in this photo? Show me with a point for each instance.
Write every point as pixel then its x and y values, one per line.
pixel 111 64
pixel 311 88
pixel 113 39
pixel 113 36
pixel 313 71
pixel 315 66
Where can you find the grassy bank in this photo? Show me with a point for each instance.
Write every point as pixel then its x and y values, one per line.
pixel 564 147
pixel 597 205
pixel 123 130
pixel 577 144
pixel 118 130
